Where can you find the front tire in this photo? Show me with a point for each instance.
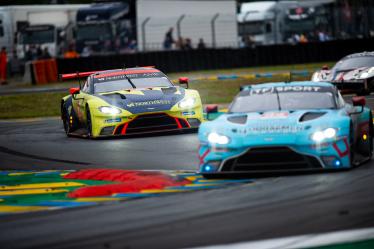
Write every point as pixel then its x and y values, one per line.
pixel 89 122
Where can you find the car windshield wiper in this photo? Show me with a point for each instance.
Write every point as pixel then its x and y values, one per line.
pixel 278 99
pixel 132 84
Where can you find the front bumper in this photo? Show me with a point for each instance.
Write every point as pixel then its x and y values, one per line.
pixel 278 158
pixel 146 123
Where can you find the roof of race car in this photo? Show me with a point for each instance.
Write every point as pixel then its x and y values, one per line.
pixel 127 71
pixel 366 53
pixel 295 83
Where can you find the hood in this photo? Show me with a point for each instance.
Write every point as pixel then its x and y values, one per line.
pixel 144 100
pixel 271 128
pixel 344 75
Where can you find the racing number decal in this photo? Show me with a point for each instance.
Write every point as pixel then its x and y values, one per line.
pixel 344 153
pixel 202 157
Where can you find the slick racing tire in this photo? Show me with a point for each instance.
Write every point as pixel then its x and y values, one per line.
pixel 370 136
pixel 89 122
pixel 69 121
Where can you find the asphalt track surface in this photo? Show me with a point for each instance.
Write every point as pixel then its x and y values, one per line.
pixel 271 207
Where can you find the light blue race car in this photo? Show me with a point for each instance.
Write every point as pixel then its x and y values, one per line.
pixel 286 127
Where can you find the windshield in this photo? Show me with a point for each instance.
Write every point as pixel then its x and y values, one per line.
pixel 37 37
pixel 248 101
pixel 94 32
pixel 354 62
pixel 151 82
pixel 121 82
pixel 251 28
pixel 112 86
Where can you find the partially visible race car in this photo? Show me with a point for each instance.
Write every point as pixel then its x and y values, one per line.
pixel 129 101
pixel 286 127
pixel 353 73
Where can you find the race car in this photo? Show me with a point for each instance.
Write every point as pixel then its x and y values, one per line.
pixel 286 127
pixel 353 73
pixel 129 101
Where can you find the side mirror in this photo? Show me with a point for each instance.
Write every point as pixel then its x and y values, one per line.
pixel 74 90
pixel 210 109
pixel 358 101
pixel 183 81
pixel 325 67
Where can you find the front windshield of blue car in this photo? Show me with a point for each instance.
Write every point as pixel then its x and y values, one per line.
pixel 270 101
pixel 353 63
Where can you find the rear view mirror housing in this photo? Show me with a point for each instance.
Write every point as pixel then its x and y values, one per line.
pixel 358 101
pixel 184 81
pixel 74 90
pixel 210 109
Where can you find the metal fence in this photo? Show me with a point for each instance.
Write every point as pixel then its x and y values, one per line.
pixel 181 61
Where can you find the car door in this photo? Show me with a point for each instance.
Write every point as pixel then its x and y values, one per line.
pixel 80 100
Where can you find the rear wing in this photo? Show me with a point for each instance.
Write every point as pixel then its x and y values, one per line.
pixel 76 75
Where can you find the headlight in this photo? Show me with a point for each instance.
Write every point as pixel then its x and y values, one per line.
pixel 367 73
pixel 316 77
pixel 109 110
pixel 364 75
pixel 216 138
pixel 328 133
pixel 187 103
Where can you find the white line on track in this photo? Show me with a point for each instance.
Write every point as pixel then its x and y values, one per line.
pixel 303 241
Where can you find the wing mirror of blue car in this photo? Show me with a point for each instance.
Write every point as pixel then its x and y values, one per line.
pixel 358 101
pixel 211 109
pixel 183 81
pixel 74 90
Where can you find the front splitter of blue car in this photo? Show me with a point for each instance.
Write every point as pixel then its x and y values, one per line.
pixel 269 142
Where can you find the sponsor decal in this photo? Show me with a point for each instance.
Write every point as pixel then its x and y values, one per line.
pixel 286 89
pixel 188 113
pixel 123 76
pixel 152 102
pixel 276 129
pixel 274 115
pixel 113 120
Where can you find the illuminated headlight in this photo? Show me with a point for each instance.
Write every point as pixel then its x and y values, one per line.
pixel 367 73
pixel 216 138
pixel 109 110
pixel 328 133
pixel 316 77
pixel 187 103
pixel 364 75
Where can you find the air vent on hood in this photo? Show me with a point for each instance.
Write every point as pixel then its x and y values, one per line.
pixel 115 95
pixel 238 119
pixel 311 115
pixel 169 90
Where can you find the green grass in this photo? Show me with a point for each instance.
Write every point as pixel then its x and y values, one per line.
pixel 211 91
pixel 30 105
pixel 223 91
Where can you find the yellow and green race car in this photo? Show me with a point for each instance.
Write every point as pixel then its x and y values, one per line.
pixel 129 101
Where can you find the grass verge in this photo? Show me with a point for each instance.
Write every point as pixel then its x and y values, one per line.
pixel 30 105
pixel 48 104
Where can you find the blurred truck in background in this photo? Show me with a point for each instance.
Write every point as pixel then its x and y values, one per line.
pixel 277 22
pixel 104 27
pixel 28 26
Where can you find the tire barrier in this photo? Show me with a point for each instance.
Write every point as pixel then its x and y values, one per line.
pixel 206 59
pixel 43 71
pixel 30 191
